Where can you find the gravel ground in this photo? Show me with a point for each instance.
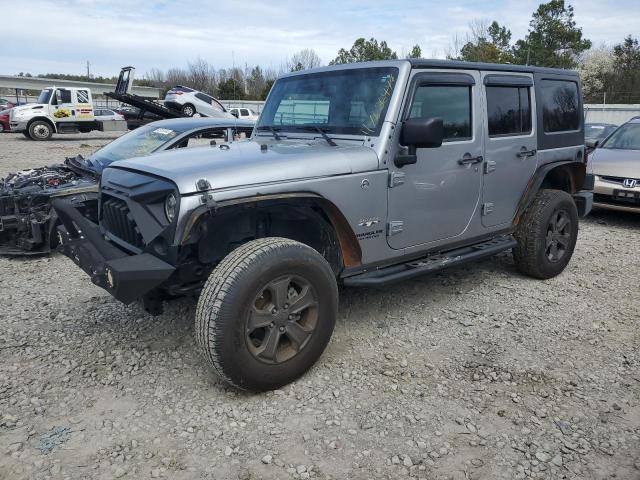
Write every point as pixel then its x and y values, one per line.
pixel 474 373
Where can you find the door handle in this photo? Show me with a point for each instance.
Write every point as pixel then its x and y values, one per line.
pixel 525 153
pixel 467 159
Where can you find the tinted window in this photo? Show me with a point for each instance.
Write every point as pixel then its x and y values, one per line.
pixel 451 103
pixel 203 97
pixel 560 105
pixel 353 101
pixel 244 112
pixel 508 110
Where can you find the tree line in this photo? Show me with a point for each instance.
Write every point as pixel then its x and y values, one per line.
pixel 609 74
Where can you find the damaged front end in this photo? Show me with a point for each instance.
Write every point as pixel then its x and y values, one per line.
pixel 27 221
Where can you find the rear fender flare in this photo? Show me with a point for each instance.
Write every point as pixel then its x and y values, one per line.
pixel 573 171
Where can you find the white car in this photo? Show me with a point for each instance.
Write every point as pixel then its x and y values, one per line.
pixel 244 113
pixel 106 114
pixel 191 102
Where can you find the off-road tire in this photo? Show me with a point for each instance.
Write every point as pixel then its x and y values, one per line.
pixel 530 255
pixel 26 134
pixel 40 126
pixel 188 110
pixel 228 297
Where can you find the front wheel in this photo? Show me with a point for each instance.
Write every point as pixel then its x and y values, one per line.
pixel 40 130
pixel 267 313
pixel 546 235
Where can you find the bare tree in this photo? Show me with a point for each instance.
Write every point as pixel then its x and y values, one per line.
pixel 202 76
pixel 304 60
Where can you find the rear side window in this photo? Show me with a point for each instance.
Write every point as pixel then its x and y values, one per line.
pixel 508 111
pixel 450 102
pixel 560 106
pixel 203 97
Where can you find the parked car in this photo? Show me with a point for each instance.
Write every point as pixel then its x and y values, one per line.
pixel 596 132
pixel 244 113
pixel 4 120
pixel 107 114
pixel 191 102
pixel 616 166
pixel 6 104
pixel 26 219
pixel 359 174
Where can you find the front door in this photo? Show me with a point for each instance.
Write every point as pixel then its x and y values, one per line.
pixel 510 144
pixel 63 106
pixel 435 198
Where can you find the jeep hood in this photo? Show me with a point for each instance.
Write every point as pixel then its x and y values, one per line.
pixel 248 163
pixel 616 162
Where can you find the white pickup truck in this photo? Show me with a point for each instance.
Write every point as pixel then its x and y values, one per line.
pixel 60 110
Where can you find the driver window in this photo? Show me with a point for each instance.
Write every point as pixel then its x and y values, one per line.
pixel 63 96
pixel 452 103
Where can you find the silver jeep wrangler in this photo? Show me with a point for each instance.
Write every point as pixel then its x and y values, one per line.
pixel 361 175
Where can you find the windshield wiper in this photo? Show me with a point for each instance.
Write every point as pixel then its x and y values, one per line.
pixel 321 131
pixel 272 129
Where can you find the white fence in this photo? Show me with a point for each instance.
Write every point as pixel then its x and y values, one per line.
pixel 614 113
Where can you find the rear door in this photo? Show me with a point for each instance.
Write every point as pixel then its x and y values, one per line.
pixel 510 144
pixel 435 198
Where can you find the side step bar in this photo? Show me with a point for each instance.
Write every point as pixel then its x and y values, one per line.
pixel 431 263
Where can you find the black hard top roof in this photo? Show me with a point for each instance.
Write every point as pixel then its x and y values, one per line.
pixel 502 67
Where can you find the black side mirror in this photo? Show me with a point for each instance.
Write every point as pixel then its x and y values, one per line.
pixel 419 133
pixel 422 132
pixel 592 144
pixel 235 114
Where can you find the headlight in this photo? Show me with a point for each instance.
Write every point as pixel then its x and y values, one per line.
pixel 171 207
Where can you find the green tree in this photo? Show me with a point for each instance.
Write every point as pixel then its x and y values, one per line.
pixel 487 44
pixel 416 52
pixel 267 88
pixel 365 51
pixel 230 89
pixel 626 72
pixel 255 83
pixel 553 40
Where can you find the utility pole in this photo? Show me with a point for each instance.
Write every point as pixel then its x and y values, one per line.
pixel 88 74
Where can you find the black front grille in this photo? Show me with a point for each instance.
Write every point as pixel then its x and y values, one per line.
pixel 117 220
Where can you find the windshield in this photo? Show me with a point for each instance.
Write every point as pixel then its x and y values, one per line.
pixel 44 96
pixel 597 131
pixel 627 137
pixel 138 143
pixel 350 101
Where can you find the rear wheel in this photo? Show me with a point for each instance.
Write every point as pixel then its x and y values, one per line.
pixel 188 110
pixel 26 134
pixel 1 127
pixel 546 235
pixel 267 313
pixel 40 130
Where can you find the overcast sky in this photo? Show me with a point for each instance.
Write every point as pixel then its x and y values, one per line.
pixel 40 36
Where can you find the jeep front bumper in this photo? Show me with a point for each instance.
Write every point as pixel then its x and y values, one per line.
pixel 126 277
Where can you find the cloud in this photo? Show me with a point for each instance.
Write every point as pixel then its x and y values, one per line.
pixel 46 36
